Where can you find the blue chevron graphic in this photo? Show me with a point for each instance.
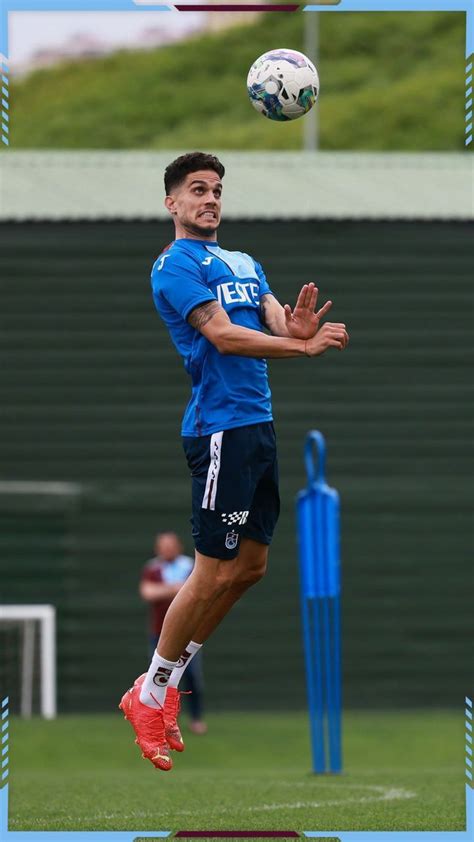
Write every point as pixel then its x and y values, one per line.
pixel 128 836
pixel 469 103
pixel 4 739
pixel 468 723
pixel 5 98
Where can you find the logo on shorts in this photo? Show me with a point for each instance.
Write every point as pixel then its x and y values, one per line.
pixel 235 517
pixel 161 676
pixel 231 540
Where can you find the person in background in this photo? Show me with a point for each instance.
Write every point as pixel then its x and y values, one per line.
pixel 161 579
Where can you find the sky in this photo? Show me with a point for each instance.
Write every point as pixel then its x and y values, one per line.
pixel 31 31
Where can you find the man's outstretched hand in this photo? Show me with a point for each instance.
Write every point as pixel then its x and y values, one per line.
pixel 330 335
pixel 303 322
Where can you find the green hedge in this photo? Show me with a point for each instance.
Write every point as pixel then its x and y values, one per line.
pixel 390 81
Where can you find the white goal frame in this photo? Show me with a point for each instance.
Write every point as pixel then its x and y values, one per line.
pixel 27 616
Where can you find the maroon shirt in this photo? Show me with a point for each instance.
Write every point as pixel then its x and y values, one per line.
pixel 167 572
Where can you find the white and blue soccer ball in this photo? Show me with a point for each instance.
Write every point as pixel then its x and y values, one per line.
pixel 283 84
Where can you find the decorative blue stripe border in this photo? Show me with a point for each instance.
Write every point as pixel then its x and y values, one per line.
pixel 469 67
pixel 466 6
pixel 469 738
pixel 5 100
pixel 4 732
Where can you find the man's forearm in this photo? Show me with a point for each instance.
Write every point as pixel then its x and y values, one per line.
pixel 245 342
pixel 273 316
pixel 156 591
pixel 214 323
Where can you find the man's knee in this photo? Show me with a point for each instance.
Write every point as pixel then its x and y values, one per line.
pixel 212 576
pixel 252 564
pixel 246 578
pixel 225 576
pixel 218 576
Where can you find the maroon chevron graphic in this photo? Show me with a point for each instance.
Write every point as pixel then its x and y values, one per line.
pixel 242 834
pixel 239 7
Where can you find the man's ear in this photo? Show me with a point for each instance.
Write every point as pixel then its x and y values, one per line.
pixel 170 205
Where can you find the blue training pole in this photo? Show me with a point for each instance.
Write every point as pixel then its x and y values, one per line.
pixel 319 555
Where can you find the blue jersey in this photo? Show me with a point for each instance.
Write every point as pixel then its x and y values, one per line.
pixel 227 390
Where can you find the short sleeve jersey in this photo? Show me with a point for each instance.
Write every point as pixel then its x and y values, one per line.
pixel 227 390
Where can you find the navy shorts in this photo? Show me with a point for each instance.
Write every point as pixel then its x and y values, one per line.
pixel 234 488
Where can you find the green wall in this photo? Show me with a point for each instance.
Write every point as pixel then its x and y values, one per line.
pixel 93 391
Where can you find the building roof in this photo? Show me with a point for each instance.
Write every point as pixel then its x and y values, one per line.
pixel 101 185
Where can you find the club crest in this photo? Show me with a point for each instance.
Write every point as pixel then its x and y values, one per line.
pixel 231 540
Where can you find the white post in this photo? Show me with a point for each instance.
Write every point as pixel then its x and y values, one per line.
pixel 46 616
pixel 48 662
pixel 27 667
pixel 310 120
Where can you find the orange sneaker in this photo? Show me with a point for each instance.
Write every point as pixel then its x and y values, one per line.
pixel 148 724
pixel 171 711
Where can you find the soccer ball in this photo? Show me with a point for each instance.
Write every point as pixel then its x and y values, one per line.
pixel 283 84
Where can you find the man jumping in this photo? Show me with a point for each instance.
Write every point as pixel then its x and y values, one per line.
pixel 216 305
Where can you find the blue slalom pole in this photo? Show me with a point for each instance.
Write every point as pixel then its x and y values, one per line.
pixel 319 555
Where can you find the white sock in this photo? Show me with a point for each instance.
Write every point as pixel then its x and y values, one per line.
pixel 184 660
pixel 153 690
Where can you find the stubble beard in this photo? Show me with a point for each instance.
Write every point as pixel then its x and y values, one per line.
pixel 202 231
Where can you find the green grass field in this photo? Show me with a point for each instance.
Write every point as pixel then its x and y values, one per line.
pixel 403 771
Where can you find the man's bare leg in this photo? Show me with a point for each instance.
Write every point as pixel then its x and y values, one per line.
pixel 197 609
pixel 248 568
pixel 209 579
pixel 207 595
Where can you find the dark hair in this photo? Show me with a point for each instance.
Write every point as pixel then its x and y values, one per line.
pixel 177 171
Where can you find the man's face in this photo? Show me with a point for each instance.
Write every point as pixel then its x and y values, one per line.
pixel 168 546
pixel 196 205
